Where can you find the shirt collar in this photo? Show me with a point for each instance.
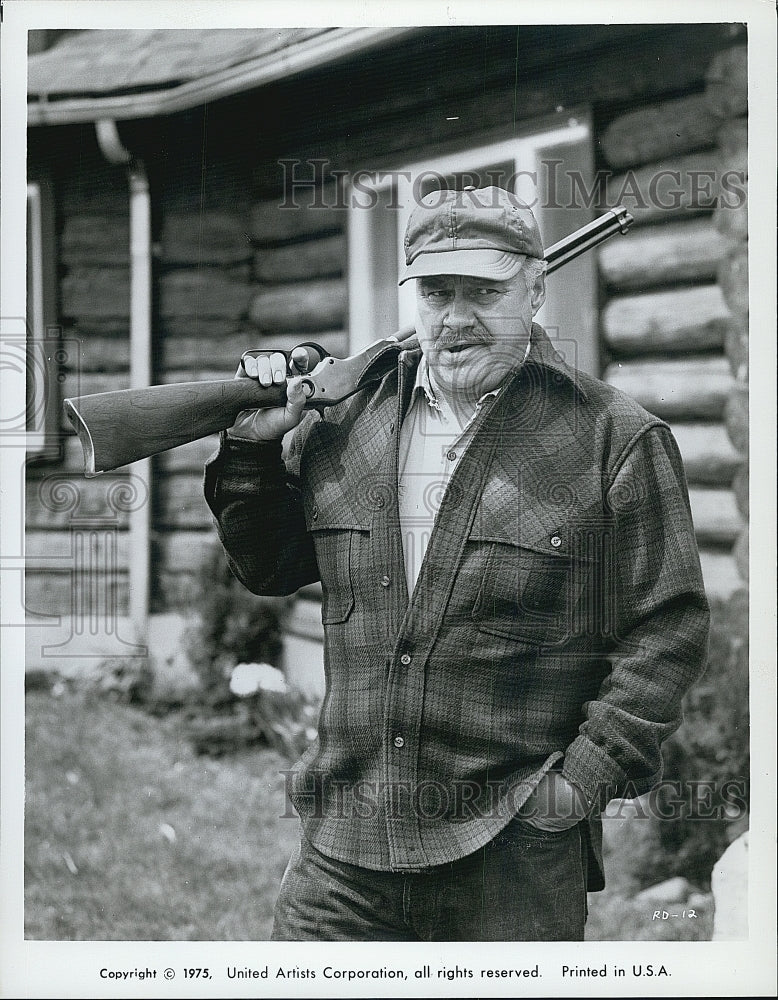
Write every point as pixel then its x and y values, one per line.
pixel 423 384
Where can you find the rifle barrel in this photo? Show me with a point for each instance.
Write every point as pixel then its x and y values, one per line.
pixel 615 220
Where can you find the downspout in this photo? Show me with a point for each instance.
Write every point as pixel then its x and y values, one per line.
pixel 140 363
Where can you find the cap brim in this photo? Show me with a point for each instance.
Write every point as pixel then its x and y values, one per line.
pixel 496 265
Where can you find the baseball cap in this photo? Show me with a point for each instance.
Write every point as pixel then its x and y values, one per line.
pixel 483 232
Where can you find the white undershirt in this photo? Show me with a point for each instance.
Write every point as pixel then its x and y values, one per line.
pixel 433 439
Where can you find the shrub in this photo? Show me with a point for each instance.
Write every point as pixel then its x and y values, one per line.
pixel 237 650
pixel 235 626
pixel 711 747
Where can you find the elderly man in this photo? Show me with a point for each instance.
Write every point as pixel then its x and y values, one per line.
pixel 512 603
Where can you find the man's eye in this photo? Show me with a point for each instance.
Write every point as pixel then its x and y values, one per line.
pixel 484 292
pixel 437 294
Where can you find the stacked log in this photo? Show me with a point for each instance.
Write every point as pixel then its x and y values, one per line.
pixel 674 318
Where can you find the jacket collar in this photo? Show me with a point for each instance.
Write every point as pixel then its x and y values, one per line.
pixel 543 354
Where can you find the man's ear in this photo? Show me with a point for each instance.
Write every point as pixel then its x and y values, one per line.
pixel 538 293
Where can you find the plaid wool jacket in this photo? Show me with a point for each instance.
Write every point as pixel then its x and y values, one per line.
pixel 558 618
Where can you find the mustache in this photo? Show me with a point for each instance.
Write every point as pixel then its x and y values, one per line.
pixel 447 339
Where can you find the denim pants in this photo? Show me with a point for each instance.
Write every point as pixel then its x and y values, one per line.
pixel 525 885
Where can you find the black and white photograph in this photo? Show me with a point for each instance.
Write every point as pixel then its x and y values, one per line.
pixel 388 499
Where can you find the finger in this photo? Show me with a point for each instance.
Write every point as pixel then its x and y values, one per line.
pixel 250 366
pixel 278 367
pixel 296 395
pixel 301 360
pixel 264 370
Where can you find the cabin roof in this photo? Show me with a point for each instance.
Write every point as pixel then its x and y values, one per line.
pixel 115 73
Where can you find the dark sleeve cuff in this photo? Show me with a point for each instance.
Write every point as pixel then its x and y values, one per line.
pixel 597 775
pixel 238 466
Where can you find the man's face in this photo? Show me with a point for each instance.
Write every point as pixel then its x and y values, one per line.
pixel 474 331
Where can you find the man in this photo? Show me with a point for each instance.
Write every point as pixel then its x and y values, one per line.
pixel 512 603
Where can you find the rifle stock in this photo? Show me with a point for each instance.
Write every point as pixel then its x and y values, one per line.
pixel 121 427
pixel 117 428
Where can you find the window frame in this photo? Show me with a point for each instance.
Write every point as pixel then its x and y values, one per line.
pixel 42 332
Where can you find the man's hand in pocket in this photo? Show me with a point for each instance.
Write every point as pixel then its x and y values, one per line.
pixel 555 804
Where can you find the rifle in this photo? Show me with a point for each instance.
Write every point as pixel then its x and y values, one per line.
pixel 117 428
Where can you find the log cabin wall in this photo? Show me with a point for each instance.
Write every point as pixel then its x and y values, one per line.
pixel 675 294
pixel 232 271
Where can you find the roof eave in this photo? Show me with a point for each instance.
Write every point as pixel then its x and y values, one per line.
pixel 319 51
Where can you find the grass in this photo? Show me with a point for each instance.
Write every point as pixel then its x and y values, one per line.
pixel 131 836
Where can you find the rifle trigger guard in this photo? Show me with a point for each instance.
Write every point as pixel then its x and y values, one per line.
pixel 255 352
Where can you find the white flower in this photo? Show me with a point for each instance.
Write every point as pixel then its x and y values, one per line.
pixel 248 678
pixel 168 832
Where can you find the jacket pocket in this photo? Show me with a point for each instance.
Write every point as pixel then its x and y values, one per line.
pixel 333 554
pixel 532 592
pixel 335 537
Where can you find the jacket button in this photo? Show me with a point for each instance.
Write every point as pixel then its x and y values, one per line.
pixel 399 742
pixel 556 541
pixel 451 455
pixel 405 659
pixel 385 581
pixel 379 502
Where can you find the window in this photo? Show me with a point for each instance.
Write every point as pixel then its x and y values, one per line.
pixel 549 166
pixel 43 344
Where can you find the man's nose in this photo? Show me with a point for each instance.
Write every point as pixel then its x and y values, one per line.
pixel 460 310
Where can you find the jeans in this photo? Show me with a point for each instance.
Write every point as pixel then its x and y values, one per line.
pixel 525 885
